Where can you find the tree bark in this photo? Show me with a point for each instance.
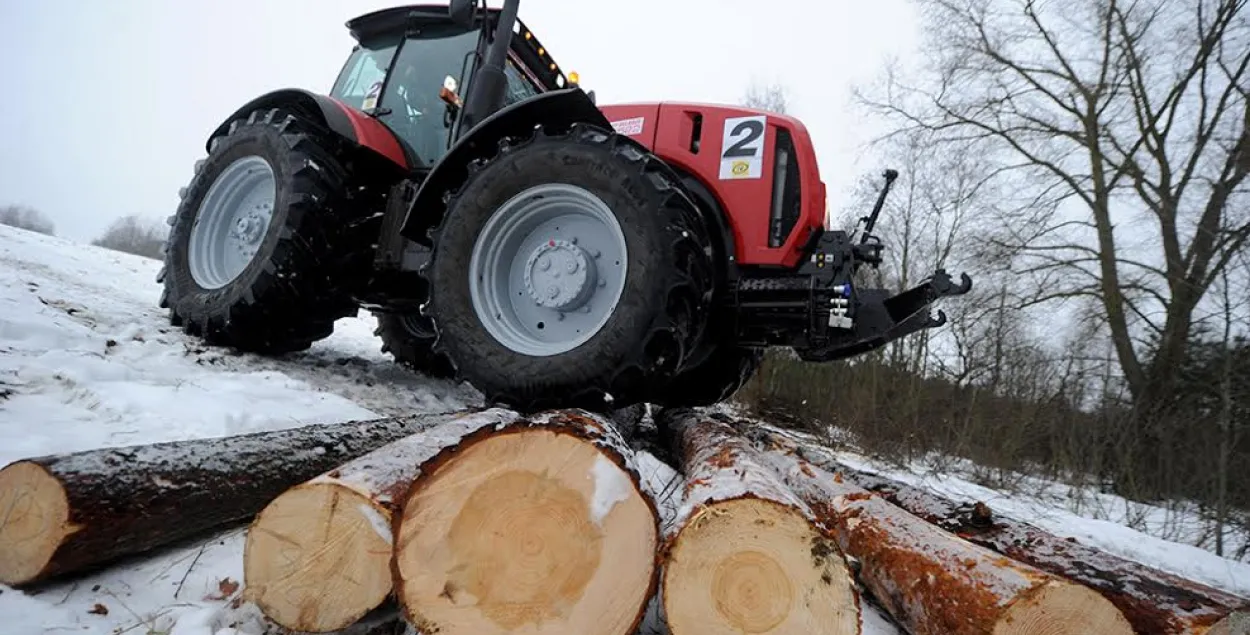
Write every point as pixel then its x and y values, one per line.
pixel 1155 602
pixel 744 555
pixel 69 513
pixel 317 558
pixel 934 583
pixel 663 484
pixel 537 525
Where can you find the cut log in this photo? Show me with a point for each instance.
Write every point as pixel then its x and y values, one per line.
pixel 935 583
pixel 385 620
pixel 318 557
pixel 744 554
pixel 1155 602
pixel 69 513
pixel 535 526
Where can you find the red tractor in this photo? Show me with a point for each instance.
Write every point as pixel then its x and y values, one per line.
pixel 547 250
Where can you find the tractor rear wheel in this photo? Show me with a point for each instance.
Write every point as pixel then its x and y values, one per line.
pixel 261 254
pixel 409 338
pixel 570 269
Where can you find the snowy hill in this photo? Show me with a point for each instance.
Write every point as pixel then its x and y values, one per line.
pixel 87 359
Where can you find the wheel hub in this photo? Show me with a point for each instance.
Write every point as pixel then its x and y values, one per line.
pixel 249 227
pixel 560 275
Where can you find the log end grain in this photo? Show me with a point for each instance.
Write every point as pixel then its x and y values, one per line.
pixel 749 565
pixel 1062 608
pixel 317 558
pixel 34 521
pixel 1237 623
pixel 533 531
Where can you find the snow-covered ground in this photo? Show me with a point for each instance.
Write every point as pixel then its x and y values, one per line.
pixel 88 360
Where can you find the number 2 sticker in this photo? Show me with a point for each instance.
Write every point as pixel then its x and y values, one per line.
pixel 742 154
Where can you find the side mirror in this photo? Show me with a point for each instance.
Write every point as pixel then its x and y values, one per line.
pixel 448 93
pixel 591 95
pixel 462 11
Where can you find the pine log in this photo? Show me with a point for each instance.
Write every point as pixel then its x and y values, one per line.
pixel 69 513
pixel 1155 602
pixel 317 558
pixel 744 555
pixel 535 526
pixel 385 620
pixel 935 583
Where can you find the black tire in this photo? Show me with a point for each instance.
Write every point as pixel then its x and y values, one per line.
pixel 713 380
pixel 661 314
pixel 409 339
pixel 311 254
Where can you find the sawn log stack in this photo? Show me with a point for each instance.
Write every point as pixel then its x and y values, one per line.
pixel 495 522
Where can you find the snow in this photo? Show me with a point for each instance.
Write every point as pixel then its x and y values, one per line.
pixel 88 360
pixel 376 473
pixel 378 522
pixel 663 484
pixel 611 487
pixel 725 467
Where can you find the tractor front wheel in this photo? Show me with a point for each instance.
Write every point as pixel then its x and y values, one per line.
pixel 570 269
pixel 260 256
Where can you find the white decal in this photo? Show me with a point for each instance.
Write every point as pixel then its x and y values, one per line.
pixel 629 127
pixel 742 148
pixel 371 97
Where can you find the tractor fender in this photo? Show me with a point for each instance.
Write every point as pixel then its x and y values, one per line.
pixel 351 124
pixel 557 108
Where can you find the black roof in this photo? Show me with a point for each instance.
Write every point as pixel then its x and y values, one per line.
pixel 382 21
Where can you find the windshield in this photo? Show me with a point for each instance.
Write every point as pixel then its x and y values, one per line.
pixel 408 101
pixel 364 72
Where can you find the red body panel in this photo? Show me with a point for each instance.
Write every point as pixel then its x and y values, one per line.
pixel 742 182
pixel 371 134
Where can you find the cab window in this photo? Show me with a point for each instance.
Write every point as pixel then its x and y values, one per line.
pixel 519 86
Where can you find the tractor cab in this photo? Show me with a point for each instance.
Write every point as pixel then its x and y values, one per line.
pixel 412 67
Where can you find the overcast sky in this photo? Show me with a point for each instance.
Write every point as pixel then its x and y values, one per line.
pixel 107 102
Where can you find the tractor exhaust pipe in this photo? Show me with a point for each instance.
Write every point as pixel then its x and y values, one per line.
pixel 486 91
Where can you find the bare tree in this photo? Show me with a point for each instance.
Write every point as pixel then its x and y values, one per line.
pixel 928 222
pixel 133 235
pixel 27 218
pixel 771 97
pixel 1123 126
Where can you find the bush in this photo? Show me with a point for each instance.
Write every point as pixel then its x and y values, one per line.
pixel 27 218
pixel 133 235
